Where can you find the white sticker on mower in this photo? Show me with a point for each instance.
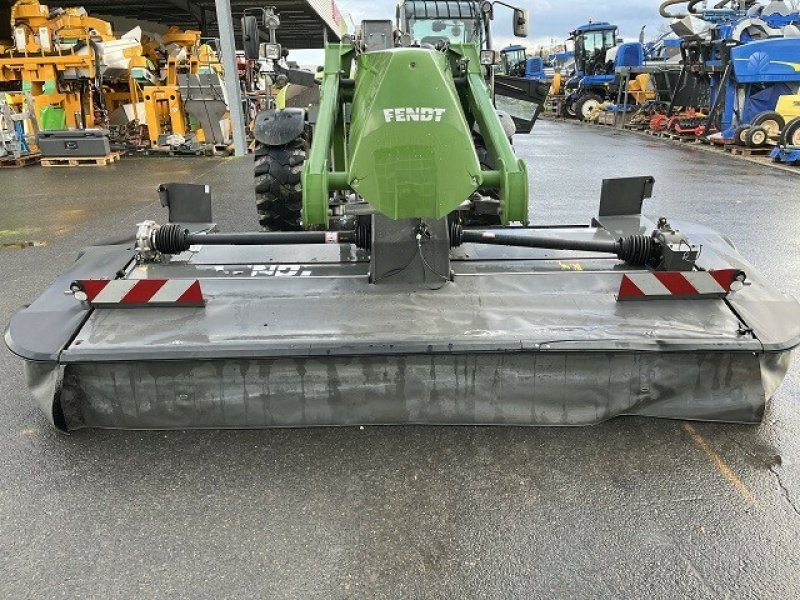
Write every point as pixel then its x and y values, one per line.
pixel 409 115
pixel 278 271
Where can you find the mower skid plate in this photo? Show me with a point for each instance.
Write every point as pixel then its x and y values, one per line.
pixel 296 336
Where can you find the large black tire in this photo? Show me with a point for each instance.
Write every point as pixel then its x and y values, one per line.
pixel 568 110
pixel 585 104
pixel 279 191
pixel 771 121
pixel 790 136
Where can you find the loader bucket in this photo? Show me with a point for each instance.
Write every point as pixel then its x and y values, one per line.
pixel 523 99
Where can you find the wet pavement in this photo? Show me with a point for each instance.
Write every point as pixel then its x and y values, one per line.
pixel 632 508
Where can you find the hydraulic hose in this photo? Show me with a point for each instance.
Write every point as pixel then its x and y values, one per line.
pixel 98 76
pixel 636 250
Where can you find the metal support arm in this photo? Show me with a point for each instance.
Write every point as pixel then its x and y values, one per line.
pixel 511 171
pixel 317 180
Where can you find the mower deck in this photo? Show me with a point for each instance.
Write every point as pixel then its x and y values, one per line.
pixel 296 336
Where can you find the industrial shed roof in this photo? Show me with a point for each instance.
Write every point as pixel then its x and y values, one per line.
pixel 302 21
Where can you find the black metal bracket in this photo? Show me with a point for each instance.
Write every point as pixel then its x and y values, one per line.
pixel 186 202
pixel 624 196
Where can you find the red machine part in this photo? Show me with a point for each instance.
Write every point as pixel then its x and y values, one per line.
pixel 659 122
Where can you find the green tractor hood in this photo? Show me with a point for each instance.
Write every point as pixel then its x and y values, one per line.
pixel 408 146
pixel 410 152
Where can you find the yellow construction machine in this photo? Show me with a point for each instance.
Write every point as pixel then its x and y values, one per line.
pixel 61 58
pixel 162 103
pixel 79 74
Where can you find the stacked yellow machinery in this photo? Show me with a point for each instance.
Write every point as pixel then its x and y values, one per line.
pixel 59 58
pixel 78 74
pixel 159 103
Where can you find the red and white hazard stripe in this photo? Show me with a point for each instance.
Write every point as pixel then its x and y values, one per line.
pixel 139 292
pixel 673 284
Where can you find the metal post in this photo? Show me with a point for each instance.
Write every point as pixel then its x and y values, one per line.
pixel 203 22
pixel 228 47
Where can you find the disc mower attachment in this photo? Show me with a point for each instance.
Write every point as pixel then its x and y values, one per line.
pixel 526 328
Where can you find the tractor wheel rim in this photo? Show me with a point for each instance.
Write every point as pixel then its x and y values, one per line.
pixel 795 141
pixel 588 108
pixel 772 127
pixel 759 138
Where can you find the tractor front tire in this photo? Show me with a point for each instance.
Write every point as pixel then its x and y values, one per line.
pixel 568 110
pixel 790 136
pixel 279 191
pixel 585 105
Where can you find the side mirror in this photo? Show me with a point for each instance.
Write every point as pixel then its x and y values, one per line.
pixel 250 37
pixel 520 22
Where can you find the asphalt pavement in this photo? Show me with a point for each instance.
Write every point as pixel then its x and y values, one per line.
pixel 634 508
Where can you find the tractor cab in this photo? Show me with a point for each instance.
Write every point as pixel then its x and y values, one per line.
pixel 434 24
pixel 598 54
pixel 592 43
pixel 430 22
pixel 513 61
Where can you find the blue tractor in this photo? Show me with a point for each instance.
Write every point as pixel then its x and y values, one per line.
pixel 562 61
pixel 515 62
pixel 747 53
pixel 598 53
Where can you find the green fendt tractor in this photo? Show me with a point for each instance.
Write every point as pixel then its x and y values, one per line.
pixel 406 126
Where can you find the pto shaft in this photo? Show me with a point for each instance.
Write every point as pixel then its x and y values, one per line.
pixel 636 250
pixel 174 239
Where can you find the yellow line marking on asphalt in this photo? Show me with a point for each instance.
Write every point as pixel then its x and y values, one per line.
pixel 722 467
